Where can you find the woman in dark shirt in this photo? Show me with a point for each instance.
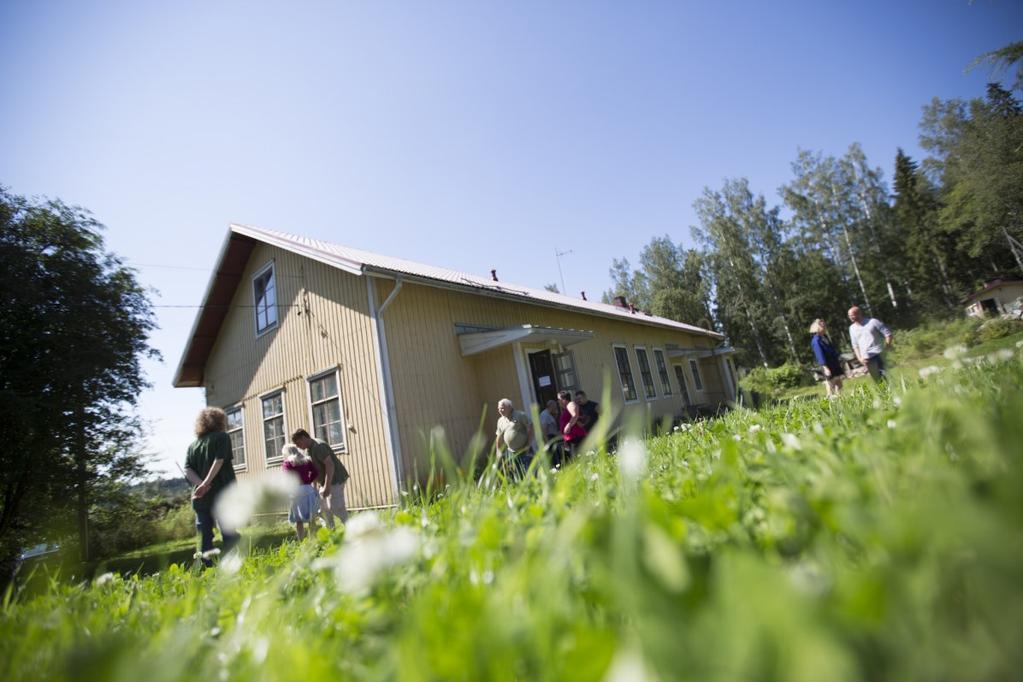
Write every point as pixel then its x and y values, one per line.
pixel 827 357
pixel 208 467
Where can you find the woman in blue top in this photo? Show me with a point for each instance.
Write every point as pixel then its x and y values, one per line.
pixel 827 357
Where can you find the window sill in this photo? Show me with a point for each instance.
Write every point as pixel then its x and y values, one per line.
pixel 240 468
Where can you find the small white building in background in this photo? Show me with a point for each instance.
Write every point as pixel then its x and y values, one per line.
pixel 998 297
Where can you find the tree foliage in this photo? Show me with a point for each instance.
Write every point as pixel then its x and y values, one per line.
pixel 906 254
pixel 73 332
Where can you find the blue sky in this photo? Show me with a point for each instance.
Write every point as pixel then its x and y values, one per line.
pixel 465 134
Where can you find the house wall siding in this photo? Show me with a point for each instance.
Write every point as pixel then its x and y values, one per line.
pixel 435 385
pixel 323 323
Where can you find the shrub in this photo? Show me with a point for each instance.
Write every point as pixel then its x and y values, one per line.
pixel 997 329
pixel 771 381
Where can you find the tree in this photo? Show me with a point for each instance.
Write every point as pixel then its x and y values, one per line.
pixel 678 288
pixel 624 282
pixel 977 153
pixel 73 332
pixel 926 247
pixel 743 306
pixel 1001 60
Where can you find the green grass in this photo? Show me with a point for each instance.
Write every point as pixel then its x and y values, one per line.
pixel 907 364
pixel 873 537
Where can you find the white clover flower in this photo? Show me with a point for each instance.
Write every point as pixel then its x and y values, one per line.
pixel 231 563
pixel 1000 355
pixel 955 352
pixel 675 428
pixel 754 428
pixel 628 666
pixel 891 424
pixel 240 501
pixel 928 371
pixel 632 459
pixel 736 437
pixel 369 547
pixel 897 401
pixel 1019 344
pixel 104 579
pixel 594 476
pixel 791 440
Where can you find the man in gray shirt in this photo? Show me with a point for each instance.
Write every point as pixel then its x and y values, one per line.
pixel 870 337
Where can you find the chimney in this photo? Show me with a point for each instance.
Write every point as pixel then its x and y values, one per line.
pixel 493 275
pixel 620 302
pixel 632 308
pixel 584 295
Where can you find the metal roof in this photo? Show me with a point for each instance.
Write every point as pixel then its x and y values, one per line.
pixel 241 238
pixel 349 259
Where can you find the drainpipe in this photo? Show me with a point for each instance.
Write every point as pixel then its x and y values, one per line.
pixel 385 380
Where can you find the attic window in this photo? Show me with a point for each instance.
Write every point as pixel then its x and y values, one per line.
pixel 264 296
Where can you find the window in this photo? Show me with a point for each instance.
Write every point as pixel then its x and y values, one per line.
pixel 625 374
pixel 235 422
pixel 735 375
pixel 644 372
pixel 273 424
pixel 264 298
pixel 325 401
pixel 697 381
pixel 662 372
pixel 564 367
pixel 681 376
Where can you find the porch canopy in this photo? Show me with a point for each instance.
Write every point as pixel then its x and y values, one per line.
pixel 473 342
pixel 677 352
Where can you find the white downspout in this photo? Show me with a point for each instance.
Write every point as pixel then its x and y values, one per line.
pixel 385 381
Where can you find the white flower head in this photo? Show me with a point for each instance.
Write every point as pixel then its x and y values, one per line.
pixel 955 352
pixel 791 440
pixel 632 459
pixel 754 428
pixel 891 424
pixel 104 579
pixel 240 501
pixel 628 666
pixel 736 437
pixel 928 371
pixel 594 476
pixel 369 548
pixel 231 563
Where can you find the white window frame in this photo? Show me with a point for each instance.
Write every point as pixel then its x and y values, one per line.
pixel 557 373
pixel 694 369
pixel 614 356
pixel 666 391
pixel 343 447
pixel 276 457
pixel 240 409
pixel 650 371
pixel 269 267
pixel 680 376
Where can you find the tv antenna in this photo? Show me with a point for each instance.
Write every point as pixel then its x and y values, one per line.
pixel 557 257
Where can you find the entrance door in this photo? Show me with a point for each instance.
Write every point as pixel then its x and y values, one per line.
pixel 681 376
pixel 541 369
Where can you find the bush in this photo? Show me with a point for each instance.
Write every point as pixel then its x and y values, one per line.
pixel 771 381
pixel 933 337
pixel 998 328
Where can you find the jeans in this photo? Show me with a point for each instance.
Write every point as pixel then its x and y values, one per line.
pixel 875 365
pixel 204 522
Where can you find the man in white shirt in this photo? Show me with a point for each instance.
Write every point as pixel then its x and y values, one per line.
pixel 869 338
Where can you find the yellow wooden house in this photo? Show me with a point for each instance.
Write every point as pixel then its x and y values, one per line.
pixel 378 355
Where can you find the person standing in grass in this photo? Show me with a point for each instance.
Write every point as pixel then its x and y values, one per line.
pixel 827 358
pixel 332 476
pixel 589 411
pixel 571 430
pixel 870 337
pixel 514 436
pixel 305 503
pixel 551 433
pixel 208 467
